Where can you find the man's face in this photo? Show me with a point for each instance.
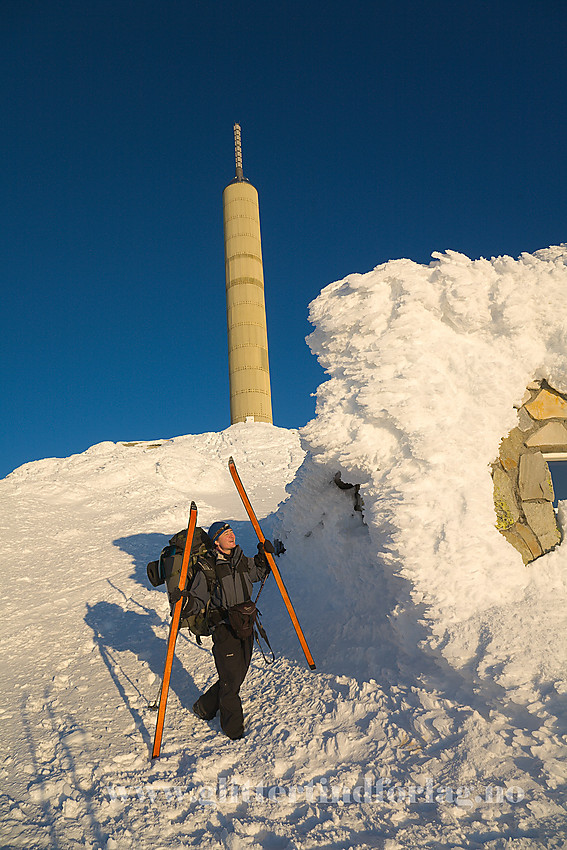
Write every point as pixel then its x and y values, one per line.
pixel 226 542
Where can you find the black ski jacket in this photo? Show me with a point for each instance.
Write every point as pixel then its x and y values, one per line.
pixel 235 573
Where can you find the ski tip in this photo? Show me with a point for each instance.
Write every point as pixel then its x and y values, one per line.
pixel 312 667
pixel 231 461
pixel 193 506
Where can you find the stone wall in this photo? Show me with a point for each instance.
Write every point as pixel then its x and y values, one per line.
pixel 523 490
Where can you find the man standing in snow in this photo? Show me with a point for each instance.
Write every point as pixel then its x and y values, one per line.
pixel 235 574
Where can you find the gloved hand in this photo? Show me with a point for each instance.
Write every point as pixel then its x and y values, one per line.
pixel 176 594
pixel 266 546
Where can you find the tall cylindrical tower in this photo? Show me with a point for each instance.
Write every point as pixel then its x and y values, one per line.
pixel 249 373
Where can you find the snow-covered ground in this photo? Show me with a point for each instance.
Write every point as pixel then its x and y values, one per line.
pixel 436 716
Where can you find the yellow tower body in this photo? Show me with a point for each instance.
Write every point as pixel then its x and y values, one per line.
pixel 249 372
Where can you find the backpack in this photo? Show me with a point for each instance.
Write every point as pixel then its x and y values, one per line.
pixel 167 570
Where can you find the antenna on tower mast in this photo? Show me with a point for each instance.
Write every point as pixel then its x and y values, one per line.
pixel 238 152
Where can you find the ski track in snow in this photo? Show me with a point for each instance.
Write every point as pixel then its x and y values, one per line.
pixel 424 717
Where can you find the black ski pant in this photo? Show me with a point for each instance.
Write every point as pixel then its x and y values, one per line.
pixel 232 659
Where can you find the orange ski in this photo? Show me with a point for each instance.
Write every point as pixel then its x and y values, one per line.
pixel 271 561
pixel 173 629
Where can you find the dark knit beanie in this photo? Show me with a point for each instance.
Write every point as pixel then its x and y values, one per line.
pixel 216 529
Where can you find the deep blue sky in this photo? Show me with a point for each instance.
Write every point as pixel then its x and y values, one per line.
pixel 372 130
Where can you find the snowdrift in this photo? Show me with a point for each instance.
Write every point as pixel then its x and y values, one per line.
pixel 426 365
